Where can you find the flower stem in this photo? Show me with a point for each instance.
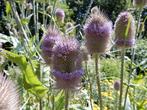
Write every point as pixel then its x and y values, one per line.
pixel 98 80
pixel 121 77
pixel 66 99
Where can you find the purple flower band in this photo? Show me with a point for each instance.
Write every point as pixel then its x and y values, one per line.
pixel 68 76
pixel 126 42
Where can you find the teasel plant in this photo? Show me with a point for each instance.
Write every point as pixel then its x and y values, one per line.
pixel 97 30
pixel 67 67
pixel 138 4
pixel 124 38
pixel 9 94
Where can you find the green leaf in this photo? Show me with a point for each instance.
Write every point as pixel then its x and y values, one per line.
pixel 8 7
pixel 59 101
pixel 30 80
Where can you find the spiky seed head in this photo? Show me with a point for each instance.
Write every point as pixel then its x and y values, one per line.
pixel 125 30
pixel 98 29
pixel 117 85
pixel 60 15
pixel 49 9
pixel 65 55
pixel 9 97
pixel 139 3
pixel 67 64
pixel 48 43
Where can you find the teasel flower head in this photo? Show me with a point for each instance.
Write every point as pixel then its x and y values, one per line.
pixel 48 43
pixel 67 64
pixel 117 85
pixel 139 3
pixel 98 29
pixel 125 30
pixel 9 98
pixel 60 15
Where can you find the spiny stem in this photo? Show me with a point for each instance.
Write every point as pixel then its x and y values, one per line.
pixel 98 80
pixel 66 99
pixel 121 77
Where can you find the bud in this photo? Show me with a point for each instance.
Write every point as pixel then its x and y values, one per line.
pixel 69 25
pixel 60 15
pixel 98 29
pixel 139 3
pixel 49 9
pixel 125 30
pixel 9 98
pixel 66 64
pixel 48 43
pixel 117 85
pixel 84 53
pixel 94 10
pixel 29 6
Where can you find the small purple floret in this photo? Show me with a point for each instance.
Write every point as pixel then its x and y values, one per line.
pixel 68 76
pixel 122 42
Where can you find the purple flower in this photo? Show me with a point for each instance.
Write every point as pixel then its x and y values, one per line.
pixel 67 64
pixel 60 15
pixel 48 43
pixel 117 85
pixel 97 31
pixel 125 30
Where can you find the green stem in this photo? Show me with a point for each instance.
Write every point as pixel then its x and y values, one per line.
pixel 40 104
pixel 66 99
pixel 116 100
pixel 121 77
pixel 91 96
pixel 98 80
pixel 53 102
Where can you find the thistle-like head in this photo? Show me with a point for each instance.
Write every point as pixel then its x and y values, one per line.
pixel 66 53
pixel 60 15
pixel 9 97
pixel 125 30
pixel 48 43
pixel 97 29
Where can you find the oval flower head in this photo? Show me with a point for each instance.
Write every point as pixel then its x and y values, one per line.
pixel 9 98
pixel 48 43
pixel 60 15
pixel 98 29
pixel 67 64
pixel 139 3
pixel 125 30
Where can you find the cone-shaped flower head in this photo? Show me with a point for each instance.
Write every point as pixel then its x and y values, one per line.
pixel 60 15
pixel 67 64
pixel 125 30
pixel 117 85
pixel 139 3
pixel 9 98
pixel 48 43
pixel 97 31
